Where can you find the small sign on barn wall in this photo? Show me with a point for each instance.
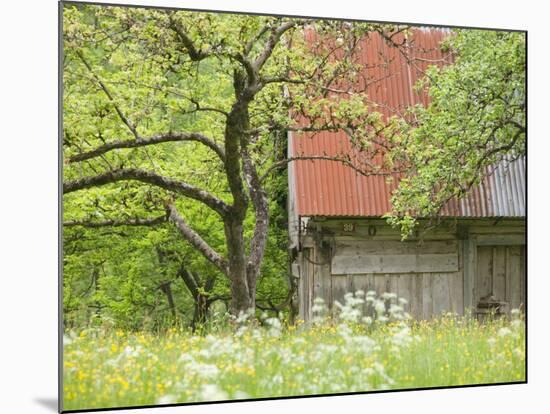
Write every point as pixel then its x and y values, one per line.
pixel 348 227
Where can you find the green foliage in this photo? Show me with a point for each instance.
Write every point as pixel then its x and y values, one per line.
pixel 116 273
pixel 130 73
pixel 476 118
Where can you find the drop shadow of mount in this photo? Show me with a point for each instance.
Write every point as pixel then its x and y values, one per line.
pixel 50 403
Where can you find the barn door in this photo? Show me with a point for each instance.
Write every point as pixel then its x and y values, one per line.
pixel 500 276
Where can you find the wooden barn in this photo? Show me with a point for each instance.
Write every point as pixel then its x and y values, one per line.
pixel 474 259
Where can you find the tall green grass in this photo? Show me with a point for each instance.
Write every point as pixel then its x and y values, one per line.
pixel 354 352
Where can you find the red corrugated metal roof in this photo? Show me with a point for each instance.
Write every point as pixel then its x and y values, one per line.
pixel 329 188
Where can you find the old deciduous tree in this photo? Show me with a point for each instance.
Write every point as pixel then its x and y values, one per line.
pixel 224 87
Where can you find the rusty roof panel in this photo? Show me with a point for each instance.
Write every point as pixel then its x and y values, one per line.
pixel 329 188
pixel 507 184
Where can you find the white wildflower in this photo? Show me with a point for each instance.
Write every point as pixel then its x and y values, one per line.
pixel 395 309
pixel 518 352
pixel 208 371
pixel 327 349
pixel 205 353
pixel 274 323
pixel 186 358
pixel 182 385
pixel 350 314
pixel 336 387
pixel 356 301
pixel 212 392
pixel 299 340
pixel 361 343
pixel 402 337
pixel 274 326
pixel 244 316
pixel 378 367
pixel 240 395
pixel 367 320
pixel 504 331
pixel 166 399
pixel 130 352
pixel 241 331
pixel 380 307
pixel 344 330
pixel 318 308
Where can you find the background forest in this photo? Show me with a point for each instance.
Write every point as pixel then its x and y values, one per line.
pixel 175 126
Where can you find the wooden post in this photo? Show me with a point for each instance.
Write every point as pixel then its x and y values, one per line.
pixel 470 260
pixel 494 272
pixel 508 273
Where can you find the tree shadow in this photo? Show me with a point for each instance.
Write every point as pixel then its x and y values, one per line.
pixel 50 403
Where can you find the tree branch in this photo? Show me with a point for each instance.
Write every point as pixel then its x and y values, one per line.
pixel 197 241
pixel 190 281
pixel 253 68
pixel 142 142
pixel 195 54
pixel 345 160
pixel 118 222
pixel 199 108
pixel 274 38
pixel 250 44
pixel 152 178
pixel 121 115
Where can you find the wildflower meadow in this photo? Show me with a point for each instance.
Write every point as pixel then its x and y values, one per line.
pixel 370 343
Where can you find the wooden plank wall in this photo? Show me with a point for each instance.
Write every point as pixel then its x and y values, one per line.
pixel 430 275
pixel 500 272
pixel 322 281
pixel 369 256
pixel 429 290
pixel 305 284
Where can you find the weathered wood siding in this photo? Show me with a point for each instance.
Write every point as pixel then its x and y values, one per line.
pixel 305 284
pixel 369 256
pixel 500 273
pixel 427 275
pixel 436 273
